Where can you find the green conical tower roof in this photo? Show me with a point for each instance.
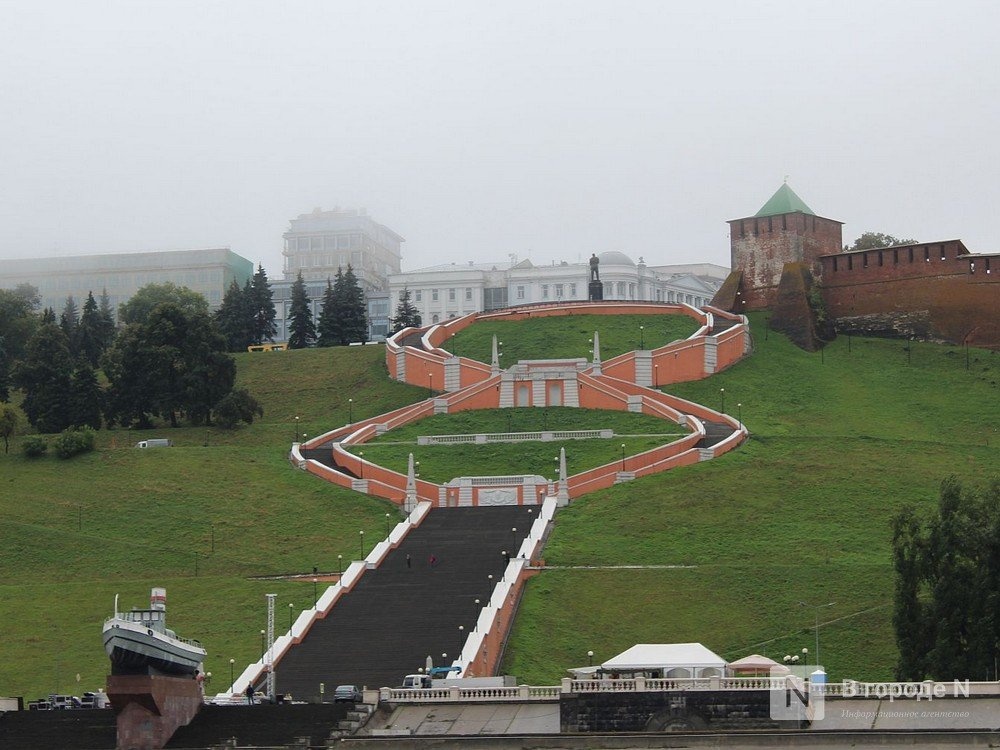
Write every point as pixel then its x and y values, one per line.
pixel 784 201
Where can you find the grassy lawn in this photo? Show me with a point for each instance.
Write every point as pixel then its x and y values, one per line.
pixel 568 336
pixel 441 463
pixel 798 514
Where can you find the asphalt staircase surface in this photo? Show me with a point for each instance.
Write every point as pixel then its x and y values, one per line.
pixel 402 612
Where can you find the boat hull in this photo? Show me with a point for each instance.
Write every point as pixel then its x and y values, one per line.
pixel 134 649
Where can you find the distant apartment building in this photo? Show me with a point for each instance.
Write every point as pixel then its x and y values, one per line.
pixel 122 274
pixel 320 243
pixel 452 290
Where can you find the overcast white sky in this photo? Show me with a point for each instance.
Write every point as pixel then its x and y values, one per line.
pixel 478 129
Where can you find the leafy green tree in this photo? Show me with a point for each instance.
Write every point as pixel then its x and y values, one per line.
pixel 89 335
pixel 18 319
pixel 48 316
pixel 141 304
pixel 238 406
pixel 908 617
pixel 948 585
pixel 234 318
pixel 261 304
pixel 354 325
pixel 45 375
pixel 875 240
pixel 329 328
pixel 407 315
pixel 10 419
pixel 301 331
pixel 173 366
pixel 4 372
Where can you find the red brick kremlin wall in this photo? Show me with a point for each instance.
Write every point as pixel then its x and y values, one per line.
pixel 928 290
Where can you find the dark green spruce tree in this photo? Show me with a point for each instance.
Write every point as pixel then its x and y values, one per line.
pixel 407 315
pixel 235 319
pixel 329 326
pixel 261 304
pixel 301 330
pixel 106 321
pixel 69 321
pixel 89 335
pixel 85 398
pixel 354 319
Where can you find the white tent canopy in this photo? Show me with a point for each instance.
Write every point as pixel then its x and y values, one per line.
pixel 668 660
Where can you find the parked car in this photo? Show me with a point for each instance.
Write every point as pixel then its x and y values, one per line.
pixel 347 694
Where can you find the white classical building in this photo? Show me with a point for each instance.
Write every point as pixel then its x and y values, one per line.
pixel 452 290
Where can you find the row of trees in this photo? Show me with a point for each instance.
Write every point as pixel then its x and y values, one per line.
pixel 947 585
pixel 167 360
pixel 343 317
pixel 247 313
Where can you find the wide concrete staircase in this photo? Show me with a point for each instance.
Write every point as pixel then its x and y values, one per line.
pixel 408 608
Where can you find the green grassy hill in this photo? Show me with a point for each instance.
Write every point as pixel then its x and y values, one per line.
pixel 798 514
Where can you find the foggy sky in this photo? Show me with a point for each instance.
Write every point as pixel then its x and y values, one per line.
pixel 478 129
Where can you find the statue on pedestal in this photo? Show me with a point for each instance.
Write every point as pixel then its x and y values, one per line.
pixel 595 274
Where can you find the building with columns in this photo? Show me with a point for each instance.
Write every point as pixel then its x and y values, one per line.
pixel 451 290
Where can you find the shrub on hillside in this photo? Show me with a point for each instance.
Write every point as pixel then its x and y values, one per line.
pixel 237 406
pixel 74 441
pixel 34 446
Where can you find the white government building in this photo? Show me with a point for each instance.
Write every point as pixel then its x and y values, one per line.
pixel 452 290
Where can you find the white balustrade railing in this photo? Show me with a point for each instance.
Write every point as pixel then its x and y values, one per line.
pixel 847 689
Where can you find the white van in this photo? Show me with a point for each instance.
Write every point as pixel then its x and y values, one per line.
pixel 154 443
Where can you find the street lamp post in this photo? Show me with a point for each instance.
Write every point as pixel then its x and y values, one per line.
pixel 623 457
pixel 816 608
pixel 296 434
pixel 642 338
pixel 315 597
pixel 350 411
pixel 361 455
pixel 475 626
pixel 590 658
pixel 362 533
pixel 232 674
pixel 656 376
pixel 290 608
pixel 513 538
pixel 739 415
pixel 722 392
pixel 430 384
pixel 340 565
pixel 262 646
